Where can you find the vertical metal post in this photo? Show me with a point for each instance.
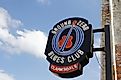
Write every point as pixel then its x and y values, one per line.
pixel 108 64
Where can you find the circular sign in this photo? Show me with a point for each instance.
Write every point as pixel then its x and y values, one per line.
pixel 69 41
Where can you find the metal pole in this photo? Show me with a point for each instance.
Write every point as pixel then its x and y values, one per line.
pixel 108 64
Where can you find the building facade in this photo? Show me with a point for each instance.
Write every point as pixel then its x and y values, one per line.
pixel 111 15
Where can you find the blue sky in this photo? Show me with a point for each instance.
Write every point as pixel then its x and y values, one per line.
pixel 24 27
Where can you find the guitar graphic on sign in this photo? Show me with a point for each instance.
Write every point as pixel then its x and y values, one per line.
pixel 69 42
pixel 66 41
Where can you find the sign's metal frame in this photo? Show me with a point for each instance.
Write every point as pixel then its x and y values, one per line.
pixel 107 50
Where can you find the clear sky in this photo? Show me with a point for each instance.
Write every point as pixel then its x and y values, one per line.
pixel 24 27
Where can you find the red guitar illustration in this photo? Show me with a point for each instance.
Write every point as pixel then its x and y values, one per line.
pixel 69 42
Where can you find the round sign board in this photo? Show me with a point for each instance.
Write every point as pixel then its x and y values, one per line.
pixel 68 41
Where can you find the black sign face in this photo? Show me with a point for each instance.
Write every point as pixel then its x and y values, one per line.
pixel 69 41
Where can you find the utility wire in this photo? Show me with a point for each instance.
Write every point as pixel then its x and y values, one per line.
pixel 98 62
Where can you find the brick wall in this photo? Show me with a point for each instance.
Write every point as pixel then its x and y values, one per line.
pixel 117 35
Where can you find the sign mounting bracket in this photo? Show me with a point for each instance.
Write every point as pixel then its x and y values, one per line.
pixel 107 50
